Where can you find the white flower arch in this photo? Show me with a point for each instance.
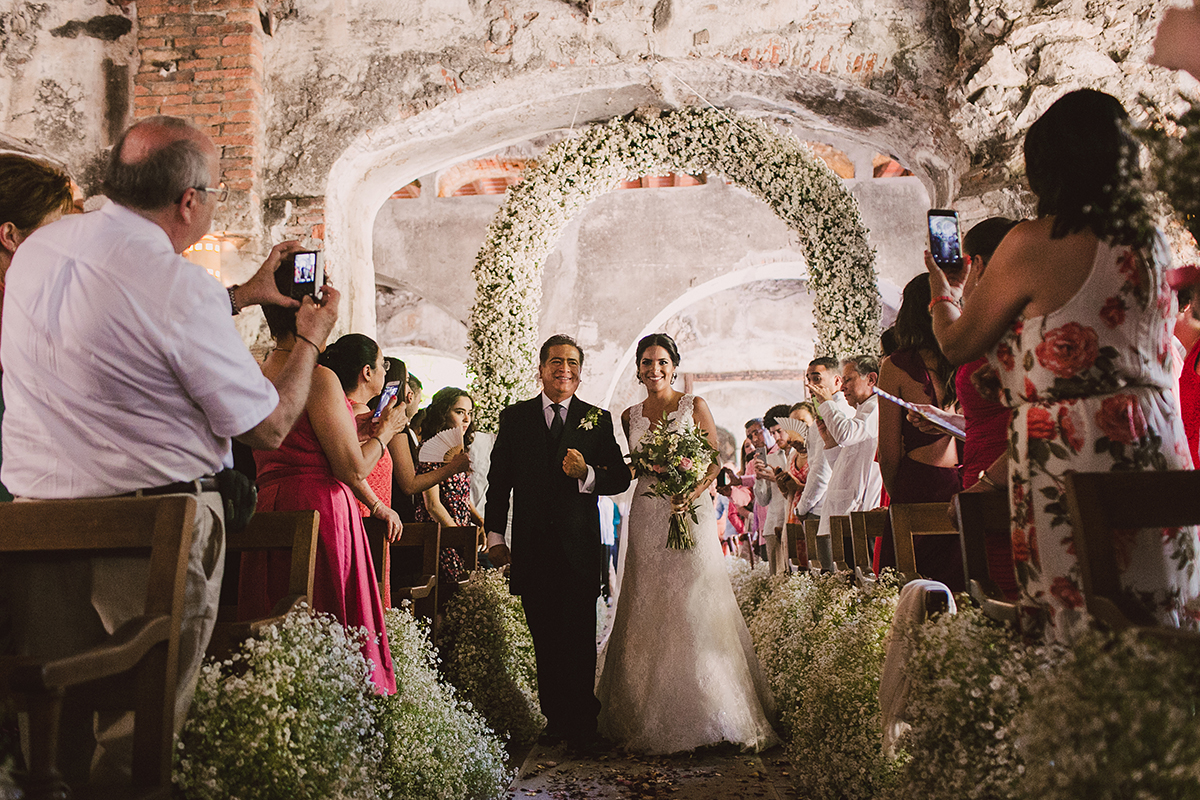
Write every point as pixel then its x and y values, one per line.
pixel 799 187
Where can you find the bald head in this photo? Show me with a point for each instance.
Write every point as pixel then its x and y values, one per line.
pixel 156 161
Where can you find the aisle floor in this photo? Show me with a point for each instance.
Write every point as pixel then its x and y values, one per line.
pixel 719 773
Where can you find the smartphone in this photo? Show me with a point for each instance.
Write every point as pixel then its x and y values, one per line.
pixel 760 453
pixel 389 391
pixel 308 273
pixel 945 240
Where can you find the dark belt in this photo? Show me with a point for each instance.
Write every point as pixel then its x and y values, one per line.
pixel 207 483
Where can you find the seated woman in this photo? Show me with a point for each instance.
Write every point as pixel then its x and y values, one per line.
pixel 449 500
pixel 323 466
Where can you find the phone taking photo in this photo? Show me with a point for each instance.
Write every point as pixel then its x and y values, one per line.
pixel 308 273
pixel 385 397
pixel 945 240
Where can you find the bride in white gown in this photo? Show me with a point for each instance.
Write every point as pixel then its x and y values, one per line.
pixel 678 671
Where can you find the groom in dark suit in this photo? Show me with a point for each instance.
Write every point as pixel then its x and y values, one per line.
pixel 555 454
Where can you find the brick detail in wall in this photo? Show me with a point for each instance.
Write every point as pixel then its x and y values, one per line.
pixel 203 60
pixel 306 220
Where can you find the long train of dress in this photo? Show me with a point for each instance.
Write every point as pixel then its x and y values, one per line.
pixel 679 671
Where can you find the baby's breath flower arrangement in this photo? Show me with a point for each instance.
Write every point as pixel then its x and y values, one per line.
pixel 1117 719
pixel 287 717
pixel 969 678
pixel 488 655
pixel 776 168
pixel 820 642
pixel 436 745
pixel 752 585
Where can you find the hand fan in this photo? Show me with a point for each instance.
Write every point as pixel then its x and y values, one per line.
pixel 789 424
pixel 437 448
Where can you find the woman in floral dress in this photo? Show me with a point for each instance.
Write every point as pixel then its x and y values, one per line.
pixel 1075 315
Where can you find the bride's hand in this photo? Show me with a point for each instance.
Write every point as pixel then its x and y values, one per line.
pixel 680 504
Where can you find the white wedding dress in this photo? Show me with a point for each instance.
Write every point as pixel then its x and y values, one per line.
pixel 678 671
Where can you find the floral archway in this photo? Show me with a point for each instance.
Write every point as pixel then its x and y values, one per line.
pixel 799 187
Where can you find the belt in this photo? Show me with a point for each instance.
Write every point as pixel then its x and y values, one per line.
pixel 205 483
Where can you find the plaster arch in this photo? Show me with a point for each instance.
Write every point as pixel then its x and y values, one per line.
pixel 381 160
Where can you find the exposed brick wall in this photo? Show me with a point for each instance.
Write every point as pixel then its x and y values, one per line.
pixel 203 60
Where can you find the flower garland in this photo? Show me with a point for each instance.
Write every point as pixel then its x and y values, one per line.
pixel 779 170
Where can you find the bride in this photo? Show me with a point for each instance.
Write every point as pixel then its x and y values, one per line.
pixel 678 671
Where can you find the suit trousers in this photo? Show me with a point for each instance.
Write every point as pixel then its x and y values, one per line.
pixel 562 620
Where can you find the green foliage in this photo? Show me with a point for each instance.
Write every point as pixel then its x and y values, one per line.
pixel 488 655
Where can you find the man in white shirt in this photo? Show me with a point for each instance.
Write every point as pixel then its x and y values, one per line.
pixel 822 372
pixel 124 374
pixel 855 483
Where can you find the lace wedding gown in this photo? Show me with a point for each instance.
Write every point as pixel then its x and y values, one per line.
pixel 678 671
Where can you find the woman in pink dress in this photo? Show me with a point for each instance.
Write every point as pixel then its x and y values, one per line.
pixel 1075 315
pixel 323 466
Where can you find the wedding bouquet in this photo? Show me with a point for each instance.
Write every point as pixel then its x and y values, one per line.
pixel 679 460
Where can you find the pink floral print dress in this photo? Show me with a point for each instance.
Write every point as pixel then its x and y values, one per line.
pixel 1092 391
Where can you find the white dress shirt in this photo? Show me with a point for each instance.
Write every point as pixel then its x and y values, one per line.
pixel 855 482
pixel 820 465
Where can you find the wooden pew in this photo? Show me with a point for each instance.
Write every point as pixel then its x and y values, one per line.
pixel 980 515
pixel 811 526
pixel 839 529
pixel 413 567
pixel 292 531
pixel 138 666
pixel 864 527
pixel 909 519
pixel 1101 503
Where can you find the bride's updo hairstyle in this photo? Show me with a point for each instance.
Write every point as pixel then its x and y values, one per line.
pixel 1082 163
pixel 658 340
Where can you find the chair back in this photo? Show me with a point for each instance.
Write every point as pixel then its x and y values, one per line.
pixel 811 526
pixel 1102 504
pixel 293 532
pixel 139 665
pixel 839 529
pixel 797 545
pixel 982 515
pixel 921 519
pixel 465 541
pixel 865 526
pixel 414 567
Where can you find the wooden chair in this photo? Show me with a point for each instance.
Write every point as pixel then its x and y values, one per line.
pixel 413 567
pixel 981 515
pixel 811 526
pixel 795 536
pixel 138 666
pixel 1102 503
pixel 839 529
pixel 909 519
pixel 292 531
pixel 866 526
pixel 465 541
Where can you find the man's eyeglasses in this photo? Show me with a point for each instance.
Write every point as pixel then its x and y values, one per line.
pixel 221 191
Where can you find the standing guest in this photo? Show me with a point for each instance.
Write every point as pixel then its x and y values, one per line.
pixel 773 490
pixel 760 441
pixel 448 502
pixel 322 466
pixel 1075 315
pixel 919 466
pixel 854 482
pixel 1187 337
pixel 32 194
pixel 404 501
pixel 124 372
pixel 821 372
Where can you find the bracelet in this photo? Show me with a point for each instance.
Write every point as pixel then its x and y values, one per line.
pixel 375 506
pixel 310 341
pixel 987 481
pixel 233 300
pixel 382 446
pixel 943 298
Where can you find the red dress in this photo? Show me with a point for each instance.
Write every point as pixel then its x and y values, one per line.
pixel 298 477
pixel 1189 402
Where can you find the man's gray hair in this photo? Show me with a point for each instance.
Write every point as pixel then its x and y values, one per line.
pixel 864 364
pixel 159 179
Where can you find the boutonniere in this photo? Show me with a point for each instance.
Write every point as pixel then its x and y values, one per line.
pixel 590 420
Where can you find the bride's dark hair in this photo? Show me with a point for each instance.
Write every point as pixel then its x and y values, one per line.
pixel 658 340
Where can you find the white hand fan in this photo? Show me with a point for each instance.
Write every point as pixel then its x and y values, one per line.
pixel 789 424
pixel 436 449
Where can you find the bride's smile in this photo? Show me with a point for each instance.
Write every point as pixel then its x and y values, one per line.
pixel 656 369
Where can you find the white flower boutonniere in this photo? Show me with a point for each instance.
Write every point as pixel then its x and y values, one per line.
pixel 590 420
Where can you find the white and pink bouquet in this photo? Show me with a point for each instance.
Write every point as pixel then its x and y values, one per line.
pixel 678 460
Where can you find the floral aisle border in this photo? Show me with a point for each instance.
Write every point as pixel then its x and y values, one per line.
pixel 799 187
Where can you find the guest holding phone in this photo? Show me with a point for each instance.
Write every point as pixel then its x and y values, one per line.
pixel 322 465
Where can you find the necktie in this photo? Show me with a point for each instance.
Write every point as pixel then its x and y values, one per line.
pixel 556 425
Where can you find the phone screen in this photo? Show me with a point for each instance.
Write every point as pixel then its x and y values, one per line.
pixel 945 242
pixel 385 397
pixel 308 273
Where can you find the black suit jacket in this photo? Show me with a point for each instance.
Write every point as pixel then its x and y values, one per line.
pixel 555 527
